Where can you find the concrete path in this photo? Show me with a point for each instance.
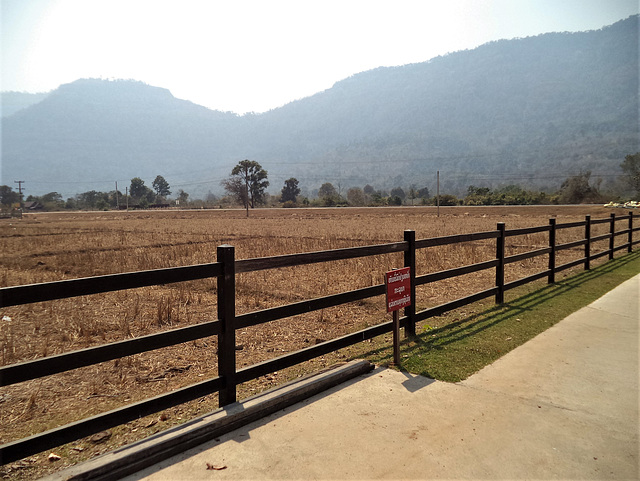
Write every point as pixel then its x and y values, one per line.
pixel 562 406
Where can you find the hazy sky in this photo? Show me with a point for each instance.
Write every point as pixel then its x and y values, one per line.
pixel 243 56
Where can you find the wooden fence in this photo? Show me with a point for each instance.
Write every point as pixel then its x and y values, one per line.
pixel 227 322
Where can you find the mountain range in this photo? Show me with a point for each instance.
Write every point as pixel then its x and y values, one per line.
pixel 528 111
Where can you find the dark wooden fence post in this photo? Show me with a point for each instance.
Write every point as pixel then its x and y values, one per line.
pixel 226 315
pixel 552 252
pixel 410 261
pixel 587 243
pixel 500 267
pixel 630 237
pixel 612 239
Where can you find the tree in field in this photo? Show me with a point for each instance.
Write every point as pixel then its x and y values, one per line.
pixel 631 168
pixel 398 192
pixel 394 200
pixel 576 190
pixel 237 189
pixel 247 183
pixel 161 186
pixel 8 196
pixel 290 190
pixel 413 193
pixel 328 194
pixel 355 196
pixel 140 192
pixel 183 197
pixel 423 193
pixel 137 187
pixel 448 199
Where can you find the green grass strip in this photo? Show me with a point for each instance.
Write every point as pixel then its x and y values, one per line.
pixel 454 346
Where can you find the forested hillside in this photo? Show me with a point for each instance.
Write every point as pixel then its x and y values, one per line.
pixel 528 111
pixel 12 102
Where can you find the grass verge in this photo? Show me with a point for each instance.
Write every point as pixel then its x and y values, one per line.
pixel 454 346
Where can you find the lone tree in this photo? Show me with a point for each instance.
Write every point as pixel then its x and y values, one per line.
pixel 247 183
pixel 161 186
pixel 290 190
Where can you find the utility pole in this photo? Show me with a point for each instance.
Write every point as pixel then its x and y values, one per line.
pixel 438 191
pixel 117 198
pixel 246 188
pixel 19 182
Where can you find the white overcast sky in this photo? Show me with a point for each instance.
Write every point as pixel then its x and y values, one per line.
pixel 246 55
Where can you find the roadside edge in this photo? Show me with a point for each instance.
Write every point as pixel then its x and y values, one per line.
pixel 146 452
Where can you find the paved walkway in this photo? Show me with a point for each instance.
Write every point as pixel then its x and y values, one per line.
pixel 562 406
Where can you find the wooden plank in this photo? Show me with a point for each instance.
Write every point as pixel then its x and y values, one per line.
pixel 526 230
pixel 526 280
pixel 455 239
pixel 500 241
pixel 410 262
pixel 261 263
pixel 601 221
pixel 527 255
pixel 598 255
pixel 297 357
pixel 227 315
pixel 275 313
pixel 22 448
pixel 587 244
pixel 630 233
pixel 601 237
pixel 27 294
pixel 569 245
pixel 455 272
pixel 46 366
pixel 612 239
pixel 455 304
pixel 571 264
pixel 552 251
pixel 569 225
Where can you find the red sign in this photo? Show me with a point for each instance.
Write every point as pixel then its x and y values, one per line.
pixel 398 284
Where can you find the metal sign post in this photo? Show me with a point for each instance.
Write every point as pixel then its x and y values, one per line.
pixel 398 282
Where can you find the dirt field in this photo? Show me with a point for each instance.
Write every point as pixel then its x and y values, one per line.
pixel 55 246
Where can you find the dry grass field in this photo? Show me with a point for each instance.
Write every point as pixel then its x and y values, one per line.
pixel 55 246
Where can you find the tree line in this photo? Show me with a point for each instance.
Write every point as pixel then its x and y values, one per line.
pixel 246 186
pixel 137 195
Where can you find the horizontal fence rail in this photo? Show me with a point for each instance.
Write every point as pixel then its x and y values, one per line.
pixel 224 327
pixel 48 291
pixel 46 366
pixel 261 263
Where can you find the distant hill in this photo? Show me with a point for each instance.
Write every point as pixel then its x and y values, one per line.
pixel 528 111
pixel 11 102
pixel 93 131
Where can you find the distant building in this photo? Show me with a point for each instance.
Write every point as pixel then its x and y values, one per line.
pixel 33 205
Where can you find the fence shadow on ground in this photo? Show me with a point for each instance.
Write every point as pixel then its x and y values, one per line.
pixel 506 315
